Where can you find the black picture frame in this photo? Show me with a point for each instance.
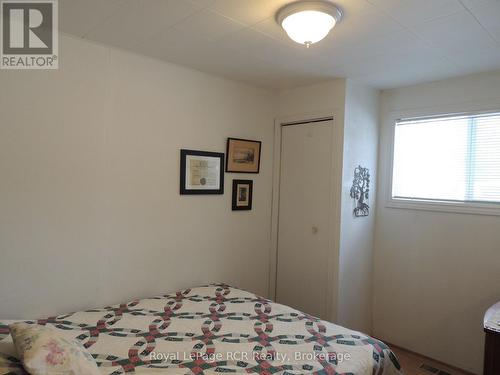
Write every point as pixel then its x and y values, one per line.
pixel 236 205
pixel 231 169
pixel 200 191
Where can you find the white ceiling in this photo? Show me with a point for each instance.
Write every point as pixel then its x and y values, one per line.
pixel 383 43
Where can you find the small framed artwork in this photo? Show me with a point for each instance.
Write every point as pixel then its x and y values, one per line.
pixel 243 155
pixel 242 195
pixel 202 172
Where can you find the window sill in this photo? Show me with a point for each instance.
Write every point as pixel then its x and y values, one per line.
pixel 491 209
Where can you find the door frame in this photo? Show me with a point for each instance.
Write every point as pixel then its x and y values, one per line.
pixel 337 116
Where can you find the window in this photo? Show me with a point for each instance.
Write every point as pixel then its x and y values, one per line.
pixel 447 159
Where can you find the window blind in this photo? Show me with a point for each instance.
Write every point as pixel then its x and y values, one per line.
pixel 448 158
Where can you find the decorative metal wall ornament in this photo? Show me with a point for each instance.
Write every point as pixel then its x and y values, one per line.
pixel 360 189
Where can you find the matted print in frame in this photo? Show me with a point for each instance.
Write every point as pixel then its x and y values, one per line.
pixel 202 172
pixel 243 155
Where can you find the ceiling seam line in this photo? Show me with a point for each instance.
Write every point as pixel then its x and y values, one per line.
pixel 479 22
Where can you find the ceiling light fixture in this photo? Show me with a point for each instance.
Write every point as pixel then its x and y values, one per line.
pixel 307 22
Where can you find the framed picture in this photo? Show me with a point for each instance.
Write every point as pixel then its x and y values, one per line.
pixel 243 155
pixel 202 172
pixel 242 195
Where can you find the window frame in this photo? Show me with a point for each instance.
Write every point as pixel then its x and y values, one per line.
pixel 466 207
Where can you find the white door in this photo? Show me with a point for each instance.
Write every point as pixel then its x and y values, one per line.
pixel 304 216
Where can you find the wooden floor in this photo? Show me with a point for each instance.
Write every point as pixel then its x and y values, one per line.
pixel 411 363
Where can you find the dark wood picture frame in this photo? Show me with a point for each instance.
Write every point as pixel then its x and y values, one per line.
pixel 236 206
pixel 183 189
pixel 229 156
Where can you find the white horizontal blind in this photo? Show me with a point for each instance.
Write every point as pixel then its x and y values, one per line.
pixel 454 158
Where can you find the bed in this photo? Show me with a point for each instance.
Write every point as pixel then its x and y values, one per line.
pixel 213 329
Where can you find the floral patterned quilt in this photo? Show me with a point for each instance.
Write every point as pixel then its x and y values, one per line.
pixel 214 329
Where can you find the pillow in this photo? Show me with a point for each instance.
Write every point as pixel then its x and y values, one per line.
pixel 44 351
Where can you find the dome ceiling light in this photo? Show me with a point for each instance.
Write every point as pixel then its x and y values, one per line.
pixel 307 22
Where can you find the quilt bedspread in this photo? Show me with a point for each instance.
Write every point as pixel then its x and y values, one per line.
pixel 213 329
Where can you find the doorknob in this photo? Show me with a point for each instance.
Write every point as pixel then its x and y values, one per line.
pixel 314 230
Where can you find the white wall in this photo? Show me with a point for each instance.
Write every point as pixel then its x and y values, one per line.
pixel 356 241
pixel 90 212
pixel 435 273
pixel 322 97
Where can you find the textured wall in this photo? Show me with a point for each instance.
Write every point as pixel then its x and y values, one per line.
pixel 435 273
pixel 90 212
